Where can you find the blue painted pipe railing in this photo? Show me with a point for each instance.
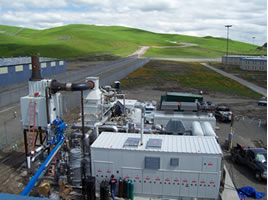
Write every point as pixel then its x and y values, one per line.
pixel 34 179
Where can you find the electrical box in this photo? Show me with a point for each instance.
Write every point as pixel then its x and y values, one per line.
pixel 33 112
pixel 165 166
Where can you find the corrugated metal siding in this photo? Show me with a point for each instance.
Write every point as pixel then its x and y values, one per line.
pixel 14 76
pixel 170 143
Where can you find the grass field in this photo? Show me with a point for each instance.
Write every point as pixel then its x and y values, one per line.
pixel 189 75
pixel 89 40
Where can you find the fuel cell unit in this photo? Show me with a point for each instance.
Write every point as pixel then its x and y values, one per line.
pixel 164 166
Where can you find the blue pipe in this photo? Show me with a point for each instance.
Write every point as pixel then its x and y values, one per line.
pixel 34 179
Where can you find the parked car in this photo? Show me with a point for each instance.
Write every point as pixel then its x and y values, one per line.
pixel 254 158
pixel 206 106
pixel 262 101
pixel 223 113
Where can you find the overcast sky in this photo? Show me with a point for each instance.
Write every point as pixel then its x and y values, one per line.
pixel 190 17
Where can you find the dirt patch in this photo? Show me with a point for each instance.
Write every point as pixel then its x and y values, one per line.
pixel 12 164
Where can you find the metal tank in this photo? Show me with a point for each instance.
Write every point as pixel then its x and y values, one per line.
pixel 208 129
pixel 197 129
pixel 75 166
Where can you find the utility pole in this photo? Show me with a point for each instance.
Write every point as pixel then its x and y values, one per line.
pixel 227 41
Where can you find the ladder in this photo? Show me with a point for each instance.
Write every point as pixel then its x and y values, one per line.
pixel 31 129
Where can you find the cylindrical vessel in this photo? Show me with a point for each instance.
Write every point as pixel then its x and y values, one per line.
pixel 208 129
pixel 120 188
pixel 197 129
pixel 124 188
pixel 131 190
pixel 128 188
pixel 75 166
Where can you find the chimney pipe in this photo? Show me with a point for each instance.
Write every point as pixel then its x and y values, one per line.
pixel 36 76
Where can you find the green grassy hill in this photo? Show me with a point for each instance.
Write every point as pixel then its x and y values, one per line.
pixel 89 40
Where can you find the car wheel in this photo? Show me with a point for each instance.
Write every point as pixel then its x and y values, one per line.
pixel 258 176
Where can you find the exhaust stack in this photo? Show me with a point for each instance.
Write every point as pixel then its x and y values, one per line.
pixel 36 75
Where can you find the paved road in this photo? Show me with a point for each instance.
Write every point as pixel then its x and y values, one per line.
pixel 190 59
pixel 252 86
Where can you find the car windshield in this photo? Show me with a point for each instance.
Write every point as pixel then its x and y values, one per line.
pixel 261 157
pixel 223 109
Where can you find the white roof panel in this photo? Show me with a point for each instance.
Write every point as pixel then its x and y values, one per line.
pixel 170 143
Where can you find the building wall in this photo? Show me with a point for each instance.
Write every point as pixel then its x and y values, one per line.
pixel 253 65
pixel 231 60
pixel 246 63
pixel 19 73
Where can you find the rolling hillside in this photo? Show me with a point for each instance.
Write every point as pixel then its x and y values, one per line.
pixel 89 40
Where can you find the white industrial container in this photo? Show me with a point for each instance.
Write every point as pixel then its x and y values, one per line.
pixel 162 118
pixel 164 166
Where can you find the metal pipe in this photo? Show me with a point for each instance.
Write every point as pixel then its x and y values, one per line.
pixel 57 86
pixel 36 76
pixel 109 128
pixel 47 109
pixel 96 126
pixel 141 107
pixel 142 129
pixel 83 117
pixel 38 153
pixel 43 167
pixel 29 162
pixel 25 142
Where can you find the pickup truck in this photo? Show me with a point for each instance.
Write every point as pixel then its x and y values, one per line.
pixel 254 158
pixel 223 113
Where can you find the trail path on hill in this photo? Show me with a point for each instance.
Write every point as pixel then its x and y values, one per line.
pixel 180 45
pixel 143 49
pixel 252 86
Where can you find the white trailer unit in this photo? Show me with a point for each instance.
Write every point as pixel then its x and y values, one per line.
pixel 162 118
pixel 164 166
